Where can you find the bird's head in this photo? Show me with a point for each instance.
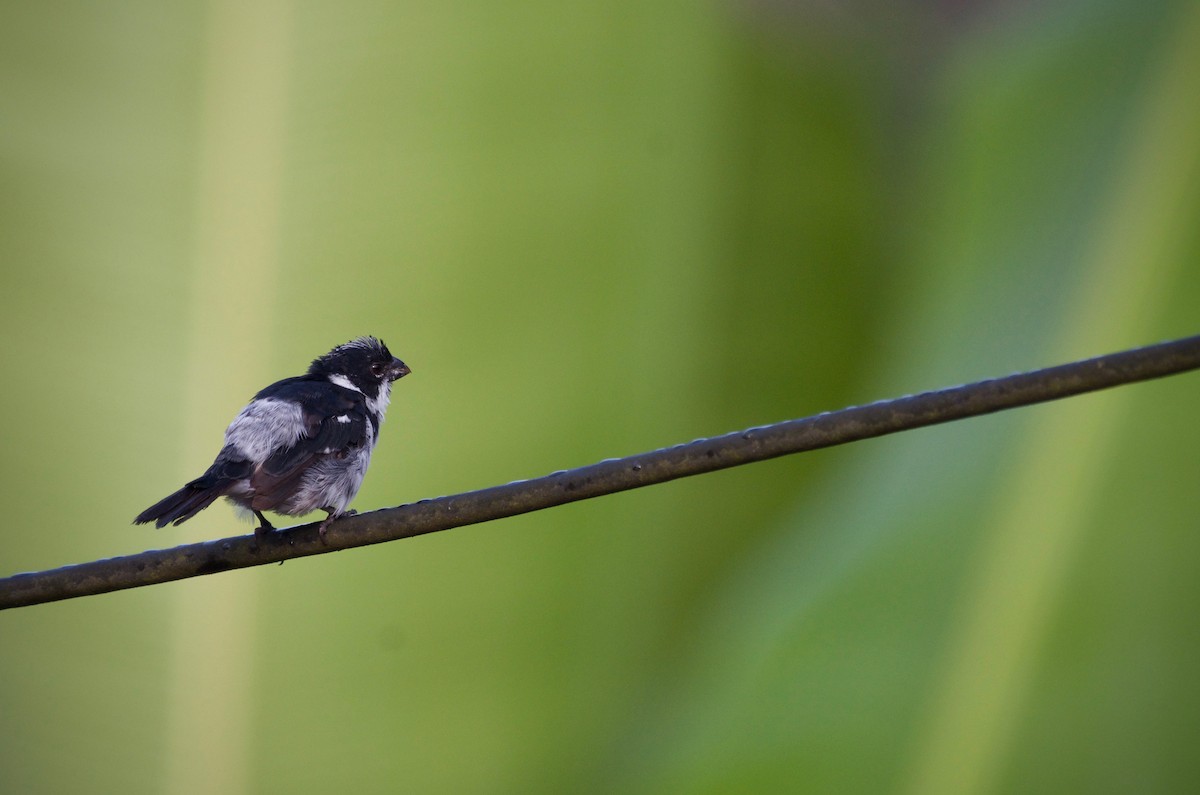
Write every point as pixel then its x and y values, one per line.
pixel 364 364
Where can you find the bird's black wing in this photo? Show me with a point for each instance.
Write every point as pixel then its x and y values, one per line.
pixel 335 421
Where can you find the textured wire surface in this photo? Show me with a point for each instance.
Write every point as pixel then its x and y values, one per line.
pixel 607 477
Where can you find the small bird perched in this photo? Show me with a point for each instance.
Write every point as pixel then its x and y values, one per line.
pixel 301 444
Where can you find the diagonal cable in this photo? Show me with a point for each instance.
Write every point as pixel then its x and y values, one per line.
pixel 607 477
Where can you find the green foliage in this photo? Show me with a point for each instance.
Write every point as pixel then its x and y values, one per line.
pixel 593 231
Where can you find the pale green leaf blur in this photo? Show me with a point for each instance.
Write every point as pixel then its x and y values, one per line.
pixel 593 230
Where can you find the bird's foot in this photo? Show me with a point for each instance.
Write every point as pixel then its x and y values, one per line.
pixel 324 526
pixel 266 528
pixel 330 519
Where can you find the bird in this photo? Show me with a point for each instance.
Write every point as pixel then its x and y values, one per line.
pixel 300 445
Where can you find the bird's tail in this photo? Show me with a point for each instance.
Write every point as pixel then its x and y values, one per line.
pixel 183 504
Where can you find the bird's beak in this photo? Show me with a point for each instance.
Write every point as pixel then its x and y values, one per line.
pixel 397 369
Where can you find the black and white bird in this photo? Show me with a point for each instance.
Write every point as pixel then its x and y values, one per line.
pixel 301 444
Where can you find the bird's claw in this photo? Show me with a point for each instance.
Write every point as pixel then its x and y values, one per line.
pixel 323 527
pixel 266 528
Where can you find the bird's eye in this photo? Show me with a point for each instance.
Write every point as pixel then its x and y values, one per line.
pixel 377 369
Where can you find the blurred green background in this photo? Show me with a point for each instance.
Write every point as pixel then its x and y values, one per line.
pixel 593 230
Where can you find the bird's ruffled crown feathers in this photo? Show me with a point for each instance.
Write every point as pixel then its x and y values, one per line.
pixel 372 345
